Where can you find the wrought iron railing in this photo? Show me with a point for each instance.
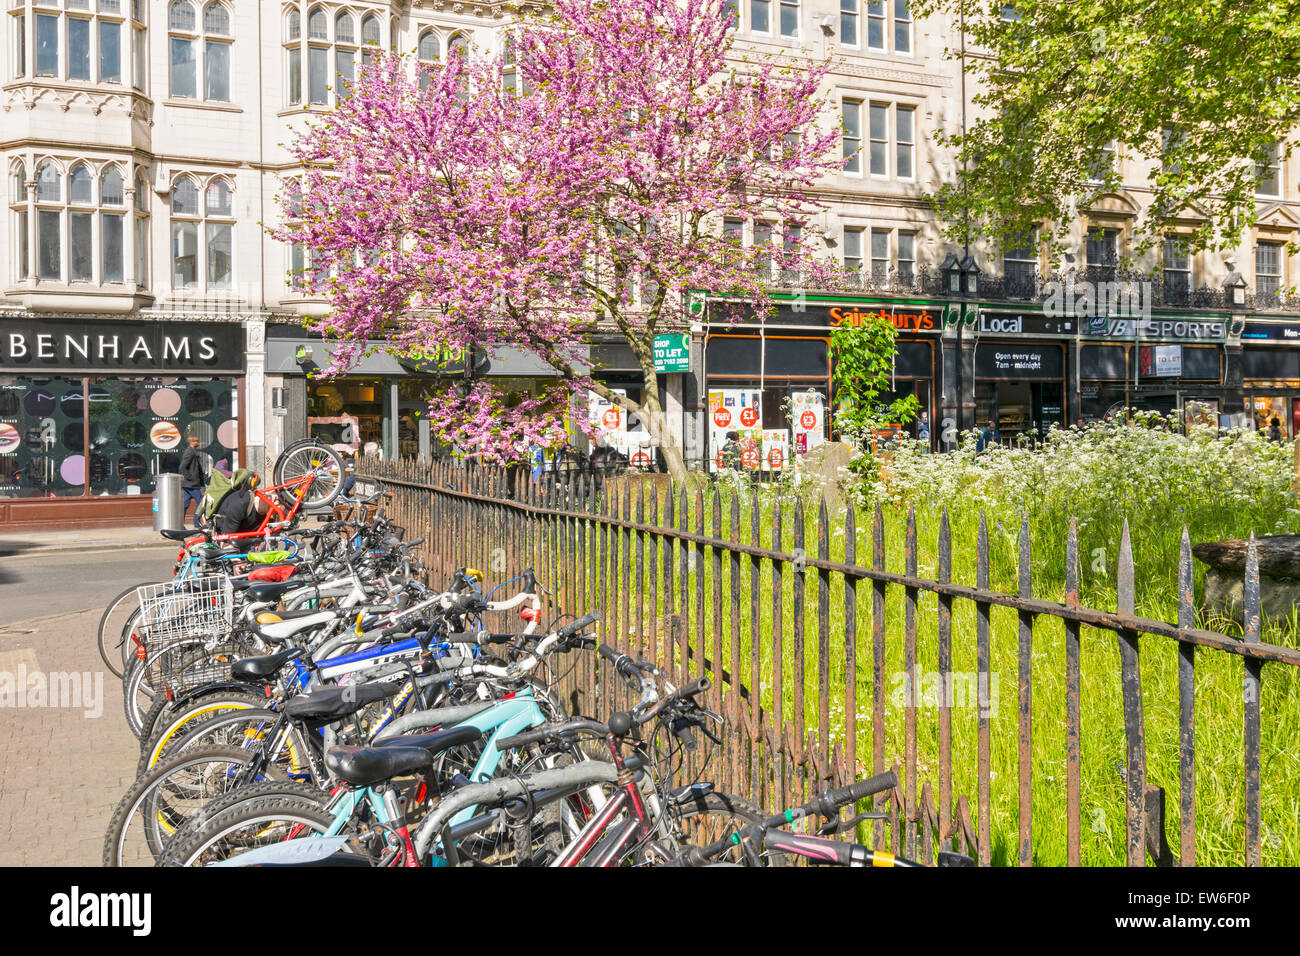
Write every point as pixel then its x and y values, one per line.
pixel 804 645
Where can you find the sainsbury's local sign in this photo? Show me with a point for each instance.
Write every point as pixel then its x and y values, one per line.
pixel 69 346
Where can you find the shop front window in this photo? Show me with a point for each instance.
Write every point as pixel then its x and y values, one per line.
pixel 67 437
pixel 42 437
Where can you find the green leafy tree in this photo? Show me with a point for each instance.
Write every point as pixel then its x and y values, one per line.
pixel 1210 89
pixel 863 363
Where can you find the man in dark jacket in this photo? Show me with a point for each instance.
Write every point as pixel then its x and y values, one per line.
pixel 193 478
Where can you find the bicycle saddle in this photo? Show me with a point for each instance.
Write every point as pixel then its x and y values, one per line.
pixel 254 670
pixel 435 741
pixel 364 766
pixel 328 704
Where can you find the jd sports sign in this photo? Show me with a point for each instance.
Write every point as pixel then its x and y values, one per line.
pixel 67 346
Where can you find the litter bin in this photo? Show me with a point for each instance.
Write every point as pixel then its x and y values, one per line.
pixel 168 503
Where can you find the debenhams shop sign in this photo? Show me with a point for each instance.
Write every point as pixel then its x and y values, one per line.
pixel 121 346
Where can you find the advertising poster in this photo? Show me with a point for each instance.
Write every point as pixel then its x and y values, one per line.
pixel 736 410
pixel 620 431
pixel 776 449
pixel 809 421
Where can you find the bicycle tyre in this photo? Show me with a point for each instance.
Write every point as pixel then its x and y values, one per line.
pixel 300 460
pixel 252 791
pixel 113 629
pixel 271 818
pixel 710 816
pixel 159 817
pixel 175 733
pixel 144 675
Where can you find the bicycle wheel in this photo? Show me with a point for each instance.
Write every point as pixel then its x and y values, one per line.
pixel 255 823
pixel 706 817
pixel 174 732
pixel 158 803
pixel 143 676
pixel 115 627
pixel 252 791
pixel 320 461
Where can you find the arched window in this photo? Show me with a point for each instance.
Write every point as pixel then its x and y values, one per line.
pixel 509 71
pixel 185 44
pixel 202 237
pixel 293 57
pixel 216 52
pixel 427 53
pixel 318 25
pixel 216 19
pixel 141 192
pixel 81 188
pixel 369 40
pixel 344 28
pixel 19 183
pixel 318 57
pixel 180 16
pixel 458 45
pixel 345 54
pixel 78 239
pixel 110 188
pixel 219 200
pixel 48 185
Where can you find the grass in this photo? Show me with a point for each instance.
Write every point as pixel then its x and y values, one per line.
pixel 1219 677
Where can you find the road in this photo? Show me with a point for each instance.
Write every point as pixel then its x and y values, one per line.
pixel 66 762
pixel 39 583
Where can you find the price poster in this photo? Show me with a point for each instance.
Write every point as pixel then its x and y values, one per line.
pixel 776 449
pixel 809 417
pixel 736 410
pixel 630 438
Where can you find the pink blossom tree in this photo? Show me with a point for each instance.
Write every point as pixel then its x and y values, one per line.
pixel 579 185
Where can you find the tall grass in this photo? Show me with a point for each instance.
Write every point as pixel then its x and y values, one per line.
pixel 1218 486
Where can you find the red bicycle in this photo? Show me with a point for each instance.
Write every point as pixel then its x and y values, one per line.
pixel 308 473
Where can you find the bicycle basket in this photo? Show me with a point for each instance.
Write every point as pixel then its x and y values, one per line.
pixel 177 609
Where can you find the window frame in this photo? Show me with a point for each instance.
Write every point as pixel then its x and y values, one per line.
pixel 81 223
pixel 852 161
pixel 1279 250
pixel 202 41
pixel 204 223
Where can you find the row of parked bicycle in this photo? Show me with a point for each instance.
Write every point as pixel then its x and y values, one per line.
pixel 313 702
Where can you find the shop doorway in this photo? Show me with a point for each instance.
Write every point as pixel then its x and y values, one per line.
pixel 1020 408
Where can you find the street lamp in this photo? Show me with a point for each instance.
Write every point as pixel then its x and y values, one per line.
pixel 971 273
pixel 951 270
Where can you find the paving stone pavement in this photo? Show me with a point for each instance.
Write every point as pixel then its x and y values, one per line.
pixel 63 769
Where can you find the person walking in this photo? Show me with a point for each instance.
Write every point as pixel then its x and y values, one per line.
pixel 194 478
pixel 1275 431
pixel 923 430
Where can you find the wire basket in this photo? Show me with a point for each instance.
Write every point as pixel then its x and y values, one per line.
pixel 178 609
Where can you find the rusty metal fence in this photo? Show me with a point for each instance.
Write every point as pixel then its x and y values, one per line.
pixel 699 603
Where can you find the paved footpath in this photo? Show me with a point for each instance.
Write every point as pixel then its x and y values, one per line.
pixel 63 769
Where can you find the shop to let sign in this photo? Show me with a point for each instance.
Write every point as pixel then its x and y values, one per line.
pixel 672 353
